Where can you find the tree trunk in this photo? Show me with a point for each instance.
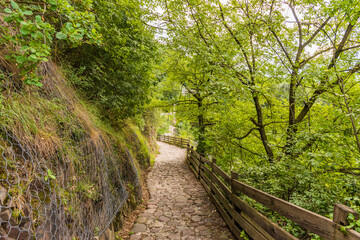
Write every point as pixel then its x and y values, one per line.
pixel 261 128
pixel 292 128
pixel 201 137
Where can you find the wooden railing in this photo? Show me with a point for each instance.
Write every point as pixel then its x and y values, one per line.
pixel 238 215
pixel 180 142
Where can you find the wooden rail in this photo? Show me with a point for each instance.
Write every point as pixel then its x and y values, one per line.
pixel 180 142
pixel 238 215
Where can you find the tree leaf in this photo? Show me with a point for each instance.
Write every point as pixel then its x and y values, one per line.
pixel 49 172
pixel 14 5
pixel 24 30
pixel 61 36
pixel 8 10
pixel 8 19
pixel 38 19
pixel 21 59
pixel 53 8
pixel 28 12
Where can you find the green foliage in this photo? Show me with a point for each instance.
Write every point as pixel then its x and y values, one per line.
pixel 49 175
pixel 269 95
pixel 108 53
pixel 88 190
pixel 32 29
pixel 117 75
pixel 96 231
pixel 165 123
pixel 185 130
pixel 118 51
pixel 353 224
pixel 244 235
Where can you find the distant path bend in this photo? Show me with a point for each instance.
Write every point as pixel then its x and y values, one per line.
pixel 179 207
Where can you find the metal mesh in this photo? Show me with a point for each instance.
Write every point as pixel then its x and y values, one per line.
pixel 72 194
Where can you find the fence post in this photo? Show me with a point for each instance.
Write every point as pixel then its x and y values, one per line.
pixel 191 150
pixel 213 162
pixel 181 142
pixel 200 165
pixel 187 152
pixel 341 213
pixel 234 176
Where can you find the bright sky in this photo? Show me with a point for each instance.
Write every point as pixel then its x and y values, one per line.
pixel 287 12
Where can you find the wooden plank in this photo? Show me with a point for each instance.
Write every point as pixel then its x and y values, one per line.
pixel 258 228
pixel 223 213
pixel 196 167
pixel 351 235
pixel 221 173
pixel 251 230
pixel 206 169
pixel 194 171
pixel 207 189
pixel 196 154
pixel 195 160
pixel 221 185
pixel 316 223
pixel 270 227
pixel 254 231
pixel 227 219
pixel 191 160
pixel 341 213
pixel 206 161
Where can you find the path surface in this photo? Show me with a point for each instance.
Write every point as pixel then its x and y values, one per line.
pixel 178 207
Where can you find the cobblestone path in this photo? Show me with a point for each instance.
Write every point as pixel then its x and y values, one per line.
pixel 178 207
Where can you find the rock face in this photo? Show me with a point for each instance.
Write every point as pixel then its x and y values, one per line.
pixel 179 207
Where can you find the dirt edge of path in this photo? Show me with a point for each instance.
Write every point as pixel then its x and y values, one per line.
pixel 129 221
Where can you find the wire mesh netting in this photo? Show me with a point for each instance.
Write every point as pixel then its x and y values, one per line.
pixel 73 193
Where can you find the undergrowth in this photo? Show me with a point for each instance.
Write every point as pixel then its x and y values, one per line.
pixel 70 139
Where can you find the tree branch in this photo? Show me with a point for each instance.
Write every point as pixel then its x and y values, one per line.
pixel 240 146
pixel 235 38
pixel 247 134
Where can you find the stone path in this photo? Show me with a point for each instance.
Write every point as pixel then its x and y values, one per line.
pixel 178 207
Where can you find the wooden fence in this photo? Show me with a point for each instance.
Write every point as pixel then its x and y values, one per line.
pixel 180 142
pixel 238 215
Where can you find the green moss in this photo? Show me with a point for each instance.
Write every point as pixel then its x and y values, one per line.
pixel 88 189
pixel 138 145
